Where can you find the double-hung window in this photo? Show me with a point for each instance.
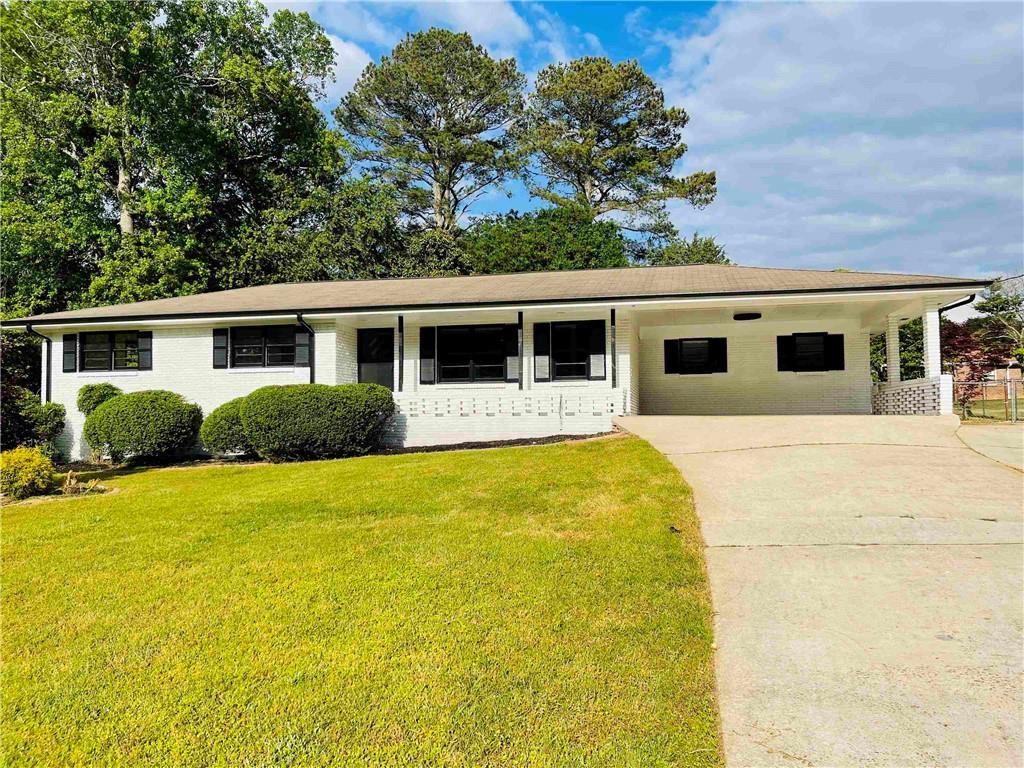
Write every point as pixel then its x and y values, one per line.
pixel 696 356
pixel 109 351
pixel 469 353
pixel 569 350
pixel 269 346
pixel 807 352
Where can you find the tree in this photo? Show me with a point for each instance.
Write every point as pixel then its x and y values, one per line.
pixel 548 239
pixel 1003 304
pixel 432 117
pixel 911 352
pixel 605 142
pixel 696 250
pixel 968 359
pixel 142 138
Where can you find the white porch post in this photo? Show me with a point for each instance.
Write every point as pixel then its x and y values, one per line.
pixel 892 348
pixel 932 350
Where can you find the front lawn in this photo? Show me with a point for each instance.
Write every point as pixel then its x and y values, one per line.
pixel 521 606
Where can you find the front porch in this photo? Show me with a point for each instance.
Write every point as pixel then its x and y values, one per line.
pixel 772 355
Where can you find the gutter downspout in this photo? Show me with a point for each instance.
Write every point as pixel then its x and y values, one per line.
pixel 49 359
pixel 960 303
pixel 312 346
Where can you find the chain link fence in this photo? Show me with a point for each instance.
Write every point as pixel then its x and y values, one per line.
pixel 989 400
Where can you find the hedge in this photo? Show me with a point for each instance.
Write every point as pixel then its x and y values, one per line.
pixel 316 421
pixel 25 472
pixel 92 396
pixel 28 422
pixel 149 424
pixel 222 430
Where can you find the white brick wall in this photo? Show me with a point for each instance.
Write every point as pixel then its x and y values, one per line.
pixel 753 383
pixel 481 416
pixel 456 413
pixel 929 397
pixel 182 363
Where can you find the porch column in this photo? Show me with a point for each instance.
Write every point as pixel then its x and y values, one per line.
pixel 892 348
pixel 932 350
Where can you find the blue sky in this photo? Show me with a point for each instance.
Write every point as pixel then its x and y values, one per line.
pixel 872 136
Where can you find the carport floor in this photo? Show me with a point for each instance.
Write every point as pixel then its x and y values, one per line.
pixel 866 573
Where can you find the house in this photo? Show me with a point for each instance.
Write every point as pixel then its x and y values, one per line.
pixel 497 357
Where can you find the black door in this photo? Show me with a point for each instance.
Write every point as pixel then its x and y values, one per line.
pixel 377 356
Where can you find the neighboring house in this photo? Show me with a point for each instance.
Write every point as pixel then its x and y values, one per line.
pixel 496 357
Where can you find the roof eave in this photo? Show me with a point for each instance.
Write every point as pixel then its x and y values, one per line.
pixel 45 320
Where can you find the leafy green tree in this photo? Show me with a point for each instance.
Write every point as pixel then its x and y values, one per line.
pixel 432 117
pixel 696 250
pixel 547 239
pixel 1003 306
pixel 911 352
pixel 146 142
pixel 428 252
pixel 604 140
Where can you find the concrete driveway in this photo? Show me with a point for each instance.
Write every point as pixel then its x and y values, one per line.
pixel 867 580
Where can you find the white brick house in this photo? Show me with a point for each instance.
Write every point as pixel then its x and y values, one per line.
pixel 498 357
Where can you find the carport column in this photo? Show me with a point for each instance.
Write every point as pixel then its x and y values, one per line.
pixel 892 348
pixel 932 350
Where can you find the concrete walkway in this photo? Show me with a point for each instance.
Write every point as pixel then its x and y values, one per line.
pixel 867 579
pixel 1002 442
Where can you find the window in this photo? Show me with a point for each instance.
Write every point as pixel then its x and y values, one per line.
pixel 117 351
pixel 473 352
pixel 376 351
pixel 696 356
pixel 270 346
pixel 806 352
pixel 565 351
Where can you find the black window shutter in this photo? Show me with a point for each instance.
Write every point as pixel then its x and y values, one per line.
pixel 220 347
pixel 542 351
pixel 834 353
pixel 145 350
pixel 302 344
pixel 786 347
pixel 428 354
pixel 596 341
pixel 718 357
pixel 511 338
pixel 672 356
pixel 69 344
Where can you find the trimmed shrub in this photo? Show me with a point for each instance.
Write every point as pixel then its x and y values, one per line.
pixel 18 424
pixel 222 430
pixel 316 421
pixel 150 424
pixel 92 396
pixel 25 472
pixel 28 422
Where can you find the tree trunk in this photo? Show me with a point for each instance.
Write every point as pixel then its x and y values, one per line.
pixel 438 206
pixel 127 222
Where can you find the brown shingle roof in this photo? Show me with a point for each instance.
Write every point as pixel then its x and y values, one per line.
pixel 523 288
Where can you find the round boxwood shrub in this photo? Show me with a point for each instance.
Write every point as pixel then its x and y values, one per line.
pixel 92 396
pixel 222 430
pixel 25 472
pixel 316 421
pixel 149 424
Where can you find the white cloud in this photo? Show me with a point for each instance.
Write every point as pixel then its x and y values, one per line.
pixel 871 136
pixel 494 25
pixel 349 62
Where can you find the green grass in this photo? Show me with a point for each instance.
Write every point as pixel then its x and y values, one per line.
pixel 997 409
pixel 520 606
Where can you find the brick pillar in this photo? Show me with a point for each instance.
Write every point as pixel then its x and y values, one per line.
pixel 892 348
pixel 932 350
